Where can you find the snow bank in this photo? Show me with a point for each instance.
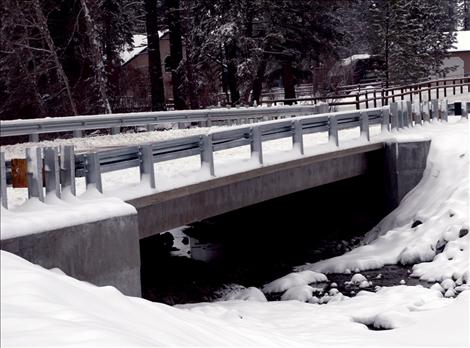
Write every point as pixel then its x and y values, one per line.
pixel 430 227
pixel 45 308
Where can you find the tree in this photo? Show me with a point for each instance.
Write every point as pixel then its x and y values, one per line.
pixel 411 37
pixel 155 64
pixel 173 18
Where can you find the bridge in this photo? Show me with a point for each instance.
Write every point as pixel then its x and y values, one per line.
pixel 107 252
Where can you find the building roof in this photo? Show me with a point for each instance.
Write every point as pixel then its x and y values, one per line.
pixel 139 45
pixel 463 42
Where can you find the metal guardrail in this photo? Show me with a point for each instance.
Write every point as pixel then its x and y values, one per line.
pixel 61 166
pixel 77 124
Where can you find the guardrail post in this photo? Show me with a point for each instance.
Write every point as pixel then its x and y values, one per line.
pixel 364 125
pixel 435 109
pixel 33 138
pixel 93 171
pixel 406 105
pixel 146 164
pixel 465 107
pixel 401 115
pixel 207 153
pixel 256 144
pixel 426 116
pixel 333 130
pixel 444 110
pixel 52 170
pixel 35 178
pixel 394 115
pixel 3 181
pixel 297 136
pixel 77 133
pixel 67 168
pixel 418 113
pixel 358 106
pixel 385 120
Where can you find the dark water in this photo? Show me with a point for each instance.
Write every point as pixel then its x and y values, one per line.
pixel 256 245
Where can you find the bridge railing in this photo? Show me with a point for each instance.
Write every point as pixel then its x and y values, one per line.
pixel 56 169
pixel 78 124
pixel 375 97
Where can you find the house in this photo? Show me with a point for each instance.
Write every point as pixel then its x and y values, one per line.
pixel 460 55
pixel 134 79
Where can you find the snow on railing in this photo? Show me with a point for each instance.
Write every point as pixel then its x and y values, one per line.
pixel 60 166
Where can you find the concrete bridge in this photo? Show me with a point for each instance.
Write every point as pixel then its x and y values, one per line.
pixel 107 252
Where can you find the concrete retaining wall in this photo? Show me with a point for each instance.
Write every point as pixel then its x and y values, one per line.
pixel 105 252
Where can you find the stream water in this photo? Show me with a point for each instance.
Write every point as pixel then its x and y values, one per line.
pixel 256 245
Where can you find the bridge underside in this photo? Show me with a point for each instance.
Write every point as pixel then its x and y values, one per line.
pixel 170 209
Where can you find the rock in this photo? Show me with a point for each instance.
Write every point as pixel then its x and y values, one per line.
pixel 185 240
pixel 402 282
pixel 447 284
pixel 364 284
pixel 333 285
pixel 416 223
pixel 450 293
pixel 438 287
pixel 463 232
pixel 358 279
pixel 333 292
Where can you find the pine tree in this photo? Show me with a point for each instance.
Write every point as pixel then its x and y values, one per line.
pixel 410 36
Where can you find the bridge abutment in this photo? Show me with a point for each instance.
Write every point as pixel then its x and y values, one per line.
pixel 103 253
pixel 405 163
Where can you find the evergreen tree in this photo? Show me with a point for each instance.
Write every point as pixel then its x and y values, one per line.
pixel 410 36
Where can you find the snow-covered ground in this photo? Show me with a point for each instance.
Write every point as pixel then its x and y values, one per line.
pixel 46 308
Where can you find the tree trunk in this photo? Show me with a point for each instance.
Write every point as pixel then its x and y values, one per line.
pixel 258 82
pixel 176 51
pixel 230 53
pixel 50 44
pixel 97 56
pixel 288 81
pixel 155 65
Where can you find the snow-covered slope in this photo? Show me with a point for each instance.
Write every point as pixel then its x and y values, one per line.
pixel 430 227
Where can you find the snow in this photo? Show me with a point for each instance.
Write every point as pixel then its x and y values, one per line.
pixel 46 308
pixel 35 216
pixel 440 201
pixel 294 279
pixel 349 60
pixel 138 46
pixel 463 42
